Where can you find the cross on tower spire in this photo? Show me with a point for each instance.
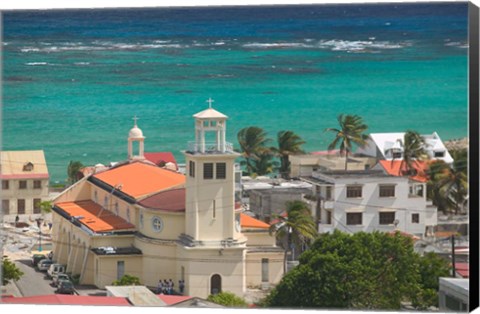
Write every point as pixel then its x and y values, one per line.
pixel 210 100
pixel 135 120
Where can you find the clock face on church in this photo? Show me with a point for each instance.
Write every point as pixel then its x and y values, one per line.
pixel 157 224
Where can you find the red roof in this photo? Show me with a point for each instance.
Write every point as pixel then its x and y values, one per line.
pixel 157 158
pixel 405 234
pixel 89 211
pixel 171 200
pixel 393 169
pixel 68 300
pixel 173 299
pixel 250 222
pixel 463 269
pixel 139 179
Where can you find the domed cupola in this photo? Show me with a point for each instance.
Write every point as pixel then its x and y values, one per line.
pixel 135 135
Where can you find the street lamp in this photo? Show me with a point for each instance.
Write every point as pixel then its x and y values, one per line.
pixel 39 224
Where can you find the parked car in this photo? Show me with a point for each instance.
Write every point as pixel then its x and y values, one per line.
pixel 56 278
pixel 37 258
pixel 65 287
pixel 44 264
pixel 55 269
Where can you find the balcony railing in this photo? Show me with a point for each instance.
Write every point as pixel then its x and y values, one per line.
pixel 210 147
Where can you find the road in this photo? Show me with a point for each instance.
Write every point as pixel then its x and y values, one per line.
pixel 32 282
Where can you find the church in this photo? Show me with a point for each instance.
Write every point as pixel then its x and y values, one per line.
pixel 154 223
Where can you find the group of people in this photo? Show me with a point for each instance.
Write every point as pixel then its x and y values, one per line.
pixel 166 286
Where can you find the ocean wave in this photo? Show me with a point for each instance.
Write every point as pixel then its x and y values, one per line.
pixel 457 44
pixel 276 45
pixel 36 63
pixel 81 63
pixel 370 45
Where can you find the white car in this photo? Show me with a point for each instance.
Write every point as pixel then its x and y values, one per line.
pixel 56 269
pixel 44 264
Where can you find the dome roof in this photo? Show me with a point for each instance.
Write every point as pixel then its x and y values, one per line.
pixel 135 132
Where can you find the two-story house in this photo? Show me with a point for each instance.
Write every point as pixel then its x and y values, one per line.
pixel 24 176
pixel 369 200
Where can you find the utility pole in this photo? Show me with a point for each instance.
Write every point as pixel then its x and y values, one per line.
pixel 453 255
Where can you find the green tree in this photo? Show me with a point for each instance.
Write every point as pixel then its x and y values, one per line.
pixel 434 190
pixel 127 280
pixel 297 229
pixel 72 171
pixel 360 271
pixel 351 132
pixel 46 206
pixel 226 298
pixel 413 146
pixel 431 267
pixel 449 184
pixel 253 146
pixel 10 271
pixel 289 143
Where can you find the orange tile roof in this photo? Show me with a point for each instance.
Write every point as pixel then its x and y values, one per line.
pixel 89 211
pixel 393 168
pixel 139 179
pixel 250 222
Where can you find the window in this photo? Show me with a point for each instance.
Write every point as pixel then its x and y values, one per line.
pixel 116 209
pixel 120 269
pixel 208 170
pixel 191 169
pixel 22 185
pixel 206 123
pixel 329 217
pixel 354 191
pixel 21 207
pixel 397 155
pixel 37 184
pixel 221 170
pixel 36 205
pixel 157 224
pixel 95 197
pixel 354 218
pixel 439 154
pixel 5 185
pixel 415 218
pixel 416 190
pixel 387 191
pixel 328 194
pixel 105 202
pixel 387 218
pixel 264 269
pixel 5 207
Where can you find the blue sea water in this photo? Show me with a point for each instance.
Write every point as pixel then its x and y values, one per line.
pixel 73 79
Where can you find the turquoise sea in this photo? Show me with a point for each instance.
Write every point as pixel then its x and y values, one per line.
pixel 73 79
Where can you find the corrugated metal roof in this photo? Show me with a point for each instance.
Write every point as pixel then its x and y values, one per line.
pixel 171 200
pixel 139 179
pixel 91 215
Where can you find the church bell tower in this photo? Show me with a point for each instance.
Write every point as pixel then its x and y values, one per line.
pixel 212 217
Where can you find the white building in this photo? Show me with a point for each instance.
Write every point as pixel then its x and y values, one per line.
pixel 389 145
pixel 369 200
pixel 24 176
pixel 453 295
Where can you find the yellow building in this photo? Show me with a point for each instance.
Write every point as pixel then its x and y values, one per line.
pixel 24 176
pixel 154 223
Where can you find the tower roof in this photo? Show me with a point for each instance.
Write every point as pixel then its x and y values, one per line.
pixel 209 113
pixel 135 132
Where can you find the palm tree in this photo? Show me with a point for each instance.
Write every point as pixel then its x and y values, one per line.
pixel 253 144
pixel 350 132
pixel 454 181
pixel 413 146
pixel 72 171
pixel 289 143
pixel 265 164
pixel 434 190
pixel 297 228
